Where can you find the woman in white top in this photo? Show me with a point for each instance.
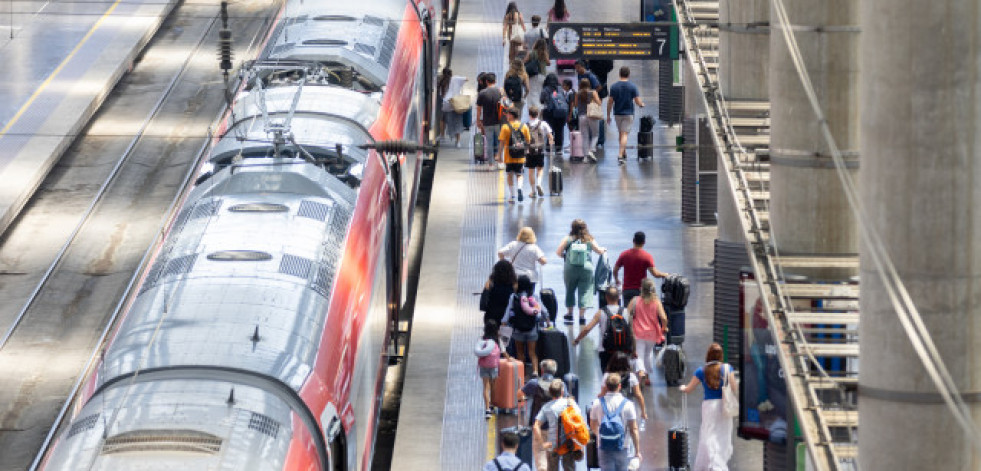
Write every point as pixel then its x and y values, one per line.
pixel 452 121
pixel 525 255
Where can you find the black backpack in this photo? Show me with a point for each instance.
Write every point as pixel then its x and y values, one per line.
pixel 557 104
pixel 618 336
pixel 512 88
pixel 519 320
pixel 517 144
pixel 674 291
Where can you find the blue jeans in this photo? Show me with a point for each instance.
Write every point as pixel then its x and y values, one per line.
pixel 614 460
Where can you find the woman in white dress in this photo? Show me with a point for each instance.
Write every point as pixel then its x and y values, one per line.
pixel 715 434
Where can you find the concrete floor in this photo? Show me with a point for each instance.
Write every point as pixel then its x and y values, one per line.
pixel 441 400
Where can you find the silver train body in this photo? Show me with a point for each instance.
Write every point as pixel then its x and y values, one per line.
pixel 256 338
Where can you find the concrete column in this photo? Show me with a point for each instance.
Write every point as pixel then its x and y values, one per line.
pixel 809 213
pixel 744 61
pixel 921 186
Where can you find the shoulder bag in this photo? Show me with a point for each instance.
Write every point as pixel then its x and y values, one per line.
pixel 730 400
pixel 594 111
pixel 460 103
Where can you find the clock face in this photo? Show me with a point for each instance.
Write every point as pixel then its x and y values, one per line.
pixel 566 40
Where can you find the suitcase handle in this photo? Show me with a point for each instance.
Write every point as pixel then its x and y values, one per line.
pixel 684 410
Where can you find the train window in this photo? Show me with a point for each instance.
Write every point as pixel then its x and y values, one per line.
pixel 325 42
pixel 259 208
pixel 239 256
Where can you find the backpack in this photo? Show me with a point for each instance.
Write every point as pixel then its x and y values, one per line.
pixel 519 320
pixel 573 433
pixel 618 336
pixel 577 253
pixel 537 144
pixel 611 429
pixel 557 104
pixel 512 88
pixel 674 291
pixel 501 468
pixel 517 145
pixel 532 67
pixel 538 399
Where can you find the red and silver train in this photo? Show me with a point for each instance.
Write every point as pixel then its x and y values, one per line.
pixel 257 337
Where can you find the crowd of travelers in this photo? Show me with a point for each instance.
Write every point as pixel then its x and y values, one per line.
pixel 633 326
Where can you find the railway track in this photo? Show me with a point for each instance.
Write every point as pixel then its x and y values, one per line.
pixel 70 258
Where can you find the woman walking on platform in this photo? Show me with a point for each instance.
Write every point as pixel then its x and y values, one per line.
pixel 513 38
pixel 539 58
pixel 715 434
pixel 525 255
pixel 648 317
pixel 578 269
pixel 558 13
pixel 499 288
pixel 589 127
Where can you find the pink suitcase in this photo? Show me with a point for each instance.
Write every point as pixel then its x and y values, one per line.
pixel 510 377
pixel 575 145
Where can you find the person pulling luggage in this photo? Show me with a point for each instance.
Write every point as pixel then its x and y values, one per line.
pixel 715 434
pixel 523 315
pixel 612 418
pixel 617 334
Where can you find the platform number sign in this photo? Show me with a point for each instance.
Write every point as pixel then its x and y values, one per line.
pixel 611 41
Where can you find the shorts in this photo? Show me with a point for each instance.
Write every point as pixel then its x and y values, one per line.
pixel 530 336
pixel 535 161
pixel 488 372
pixel 514 168
pixel 624 122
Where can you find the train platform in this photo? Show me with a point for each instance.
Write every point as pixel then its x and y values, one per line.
pixel 441 423
pixel 61 61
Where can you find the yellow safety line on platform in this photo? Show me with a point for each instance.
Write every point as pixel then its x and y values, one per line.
pixel 51 77
pixel 492 438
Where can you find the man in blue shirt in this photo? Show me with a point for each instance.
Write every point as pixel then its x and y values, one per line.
pixel 507 461
pixel 623 96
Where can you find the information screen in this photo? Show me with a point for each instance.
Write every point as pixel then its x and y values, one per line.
pixel 610 41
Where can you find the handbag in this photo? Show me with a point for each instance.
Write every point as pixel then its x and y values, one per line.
pixel 460 103
pixel 730 401
pixel 594 111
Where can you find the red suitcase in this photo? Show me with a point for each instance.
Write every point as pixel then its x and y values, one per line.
pixel 504 392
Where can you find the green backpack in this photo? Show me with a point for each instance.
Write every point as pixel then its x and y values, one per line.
pixel 578 253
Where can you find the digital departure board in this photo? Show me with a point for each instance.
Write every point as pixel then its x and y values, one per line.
pixel 610 41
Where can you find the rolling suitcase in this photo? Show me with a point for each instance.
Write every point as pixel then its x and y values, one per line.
pixel 678 440
pixel 554 185
pixel 554 345
pixel 592 455
pixel 676 325
pixel 673 364
pixel 645 145
pixel 571 385
pixel 479 146
pixel 510 377
pixel 524 452
pixel 575 146
pixel 550 302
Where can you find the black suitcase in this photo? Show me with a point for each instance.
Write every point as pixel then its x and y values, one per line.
pixel 592 455
pixel 673 364
pixel 678 440
pixel 645 145
pixel 551 303
pixel 674 291
pixel 555 181
pixel 572 385
pixel 676 325
pixel 554 345
pixel 524 452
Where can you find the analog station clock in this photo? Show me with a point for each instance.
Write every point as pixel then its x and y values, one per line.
pixel 566 40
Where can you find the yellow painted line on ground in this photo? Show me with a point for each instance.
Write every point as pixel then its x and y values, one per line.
pixel 51 77
pixel 492 438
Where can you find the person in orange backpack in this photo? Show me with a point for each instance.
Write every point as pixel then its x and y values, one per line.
pixel 550 415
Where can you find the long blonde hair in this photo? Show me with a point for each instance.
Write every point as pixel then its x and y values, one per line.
pixel 648 292
pixel 517 69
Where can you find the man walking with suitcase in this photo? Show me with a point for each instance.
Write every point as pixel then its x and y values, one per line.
pixel 636 263
pixel 623 96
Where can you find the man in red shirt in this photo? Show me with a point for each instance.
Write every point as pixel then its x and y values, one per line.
pixel 636 263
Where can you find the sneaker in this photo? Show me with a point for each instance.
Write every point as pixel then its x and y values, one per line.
pixel 488 414
pixel 511 199
pixel 500 166
pixel 582 321
pixel 591 158
pixel 541 192
pixel 568 318
pixel 622 160
pixel 521 197
pixel 532 194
